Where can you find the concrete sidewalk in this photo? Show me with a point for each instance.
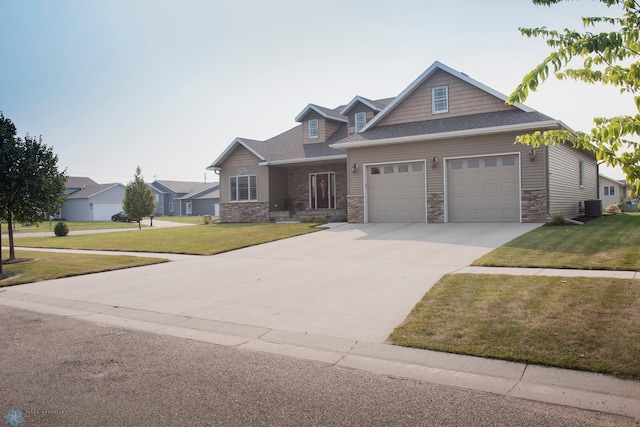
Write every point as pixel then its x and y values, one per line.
pixel 146 222
pixel 577 389
pixel 330 297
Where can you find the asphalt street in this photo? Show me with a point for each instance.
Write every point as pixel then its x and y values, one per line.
pixel 63 371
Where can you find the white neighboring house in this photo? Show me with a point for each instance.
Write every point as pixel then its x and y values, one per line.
pixel 612 191
pixel 90 201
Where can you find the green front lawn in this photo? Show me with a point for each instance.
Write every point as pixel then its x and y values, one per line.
pixel 608 243
pixel 197 240
pixel 590 324
pixel 48 265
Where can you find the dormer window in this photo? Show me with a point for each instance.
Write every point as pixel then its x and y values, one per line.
pixel 361 120
pixel 440 99
pixel 313 128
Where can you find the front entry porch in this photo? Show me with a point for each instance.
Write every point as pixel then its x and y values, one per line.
pixel 307 192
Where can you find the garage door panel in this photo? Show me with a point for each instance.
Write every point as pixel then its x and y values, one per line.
pixel 483 190
pixel 398 195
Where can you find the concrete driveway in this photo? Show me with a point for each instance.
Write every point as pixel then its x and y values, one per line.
pixel 355 281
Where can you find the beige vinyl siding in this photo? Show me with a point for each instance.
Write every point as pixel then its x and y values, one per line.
pixel 359 108
pixel 243 158
pixel 532 172
pixel 565 192
pixel 326 128
pixel 464 99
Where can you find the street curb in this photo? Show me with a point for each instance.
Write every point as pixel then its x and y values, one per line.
pixel 584 390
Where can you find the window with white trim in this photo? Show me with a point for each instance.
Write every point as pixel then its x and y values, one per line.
pixel 243 187
pixel 440 99
pixel 361 120
pixel 313 128
pixel 170 206
pixel 609 191
pixel 581 173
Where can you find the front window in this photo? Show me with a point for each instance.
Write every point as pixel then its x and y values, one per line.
pixel 243 188
pixel 361 120
pixel 581 173
pixel 440 99
pixel 313 128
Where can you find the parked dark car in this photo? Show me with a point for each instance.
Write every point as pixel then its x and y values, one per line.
pixel 120 216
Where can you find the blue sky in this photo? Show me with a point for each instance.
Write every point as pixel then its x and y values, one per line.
pixel 168 84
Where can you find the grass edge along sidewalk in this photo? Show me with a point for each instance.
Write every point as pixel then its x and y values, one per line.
pixel 196 240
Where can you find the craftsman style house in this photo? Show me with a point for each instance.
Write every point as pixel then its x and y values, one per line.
pixel 441 151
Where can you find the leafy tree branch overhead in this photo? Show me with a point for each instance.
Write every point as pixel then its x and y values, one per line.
pixel 610 58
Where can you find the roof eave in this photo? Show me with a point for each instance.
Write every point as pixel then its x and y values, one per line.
pixel 303 160
pixel 453 134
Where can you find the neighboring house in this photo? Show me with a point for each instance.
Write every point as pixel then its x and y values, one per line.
pixel 613 191
pixel 441 151
pixel 177 198
pixel 87 200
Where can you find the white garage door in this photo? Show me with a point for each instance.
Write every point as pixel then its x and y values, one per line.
pixel 484 189
pixel 104 211
pixel 396 193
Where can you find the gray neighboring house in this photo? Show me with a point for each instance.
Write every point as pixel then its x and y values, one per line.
pixel 86 200
pixel 177 198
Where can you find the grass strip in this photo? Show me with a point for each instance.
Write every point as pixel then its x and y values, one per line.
pixel 50 265
pixel 608 243
pixel 589 324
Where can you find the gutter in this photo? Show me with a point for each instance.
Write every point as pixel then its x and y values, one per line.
pixel 303 160
pixel 453 134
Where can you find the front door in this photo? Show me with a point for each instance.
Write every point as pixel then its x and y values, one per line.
pixel 322 190
pixel 188 207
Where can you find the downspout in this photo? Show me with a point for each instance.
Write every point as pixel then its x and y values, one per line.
pixel 598 179
pixel 547 180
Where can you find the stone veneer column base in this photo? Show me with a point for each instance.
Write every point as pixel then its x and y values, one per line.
pixel 534 205
pixel 244 212
pixel 435 208
pixel 355 209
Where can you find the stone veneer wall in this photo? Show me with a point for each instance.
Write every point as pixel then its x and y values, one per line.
pixel 244 212
pixel 298 181
pixel 355 209
pixel 534 205
pixel 435 208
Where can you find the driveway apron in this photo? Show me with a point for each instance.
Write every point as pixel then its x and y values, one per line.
pixel 355 281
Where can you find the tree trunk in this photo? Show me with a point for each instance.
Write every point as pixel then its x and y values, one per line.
pixel 139 225
pixel 0 253
pixel 12 249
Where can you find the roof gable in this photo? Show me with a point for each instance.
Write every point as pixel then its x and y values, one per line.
pixel 374 105
pixel 257 148
pixel 324 112
pixel 93 190
pixel 417 83
pixel 79 182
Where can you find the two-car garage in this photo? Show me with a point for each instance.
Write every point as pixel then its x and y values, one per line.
pixel 477 189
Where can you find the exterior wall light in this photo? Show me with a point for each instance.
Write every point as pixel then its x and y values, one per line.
pixel 354 168
pixel 434 162
pixel 532 155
